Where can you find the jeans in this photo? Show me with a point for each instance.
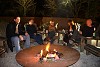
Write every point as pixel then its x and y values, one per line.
pixel 37 38
pixel 10 44
pixel 16 41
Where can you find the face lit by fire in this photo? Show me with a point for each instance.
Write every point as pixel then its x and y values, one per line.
pixel 17 20
pixel 51 23
pixel 89 22
pixel 31 22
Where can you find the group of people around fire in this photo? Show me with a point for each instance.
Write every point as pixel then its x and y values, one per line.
pixel 16 32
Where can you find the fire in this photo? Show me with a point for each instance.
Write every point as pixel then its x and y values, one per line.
pixel 48 54
pixel 47 47
pixel 41 52
pixel 47 50
pixel 55 50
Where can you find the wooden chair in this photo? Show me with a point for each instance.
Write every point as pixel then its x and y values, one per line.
pixel 90 49
pixel 90 45
pixel 3 43
pixel 2 52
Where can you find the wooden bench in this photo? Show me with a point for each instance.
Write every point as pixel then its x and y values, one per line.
pixel 92 49
pixel 3 43
pixel 2 52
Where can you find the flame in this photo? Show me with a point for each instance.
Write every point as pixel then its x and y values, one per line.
pixel 48 54
pixel 55 50
pixel 41 52
pixel 55 55
pixel 47 47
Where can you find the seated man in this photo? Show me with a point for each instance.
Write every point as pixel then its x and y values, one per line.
pixel 87 30
pixel 31 29
pixel 16 33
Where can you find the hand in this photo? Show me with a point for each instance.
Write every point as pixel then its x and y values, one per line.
pixel 21 37
pixel 34 33
pixel 80 32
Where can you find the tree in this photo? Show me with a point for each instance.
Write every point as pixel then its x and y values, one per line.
pixel 51 7
pixel 24 6
pixel 73 6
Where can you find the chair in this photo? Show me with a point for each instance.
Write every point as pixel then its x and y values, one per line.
pixel 91 46
pixel 3 46
pixel 92 49
pixel 3 43
pixel 2 52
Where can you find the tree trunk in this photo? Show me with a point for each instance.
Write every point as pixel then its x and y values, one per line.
pixel 24 10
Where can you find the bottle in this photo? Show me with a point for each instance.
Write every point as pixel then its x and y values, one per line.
pixel 63 31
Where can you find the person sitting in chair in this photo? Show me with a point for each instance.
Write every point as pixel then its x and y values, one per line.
pixel 16 33
pixel 87 30
pixel 31 29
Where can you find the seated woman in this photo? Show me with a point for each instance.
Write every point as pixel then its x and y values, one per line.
pixel 31 29
pixel 71 29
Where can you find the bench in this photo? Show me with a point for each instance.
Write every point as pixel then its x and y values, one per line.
pixel 3 43
pixel 2 52
pixel 92 49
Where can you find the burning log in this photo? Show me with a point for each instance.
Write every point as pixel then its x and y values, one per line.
pixel 49 55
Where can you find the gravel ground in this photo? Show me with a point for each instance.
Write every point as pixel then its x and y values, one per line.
pixel 84 61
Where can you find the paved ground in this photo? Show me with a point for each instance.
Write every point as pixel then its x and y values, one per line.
pixel 84 61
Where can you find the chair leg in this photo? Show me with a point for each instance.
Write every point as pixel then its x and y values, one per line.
pixel 5 46
pixel 87 52
pixel 2 52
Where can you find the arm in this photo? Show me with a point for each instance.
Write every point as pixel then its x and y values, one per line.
pixel 10 30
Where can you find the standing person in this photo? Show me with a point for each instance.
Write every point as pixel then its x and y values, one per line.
pixel 31 29
pixel 16 33
pixel 87 30
pixel 51 31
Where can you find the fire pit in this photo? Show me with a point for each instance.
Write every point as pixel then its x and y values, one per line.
pixel 52 56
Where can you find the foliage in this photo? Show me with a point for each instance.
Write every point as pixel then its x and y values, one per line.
pixel 50 5
pixel 24 6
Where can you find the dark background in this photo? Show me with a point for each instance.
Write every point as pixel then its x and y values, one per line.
pixel 51 8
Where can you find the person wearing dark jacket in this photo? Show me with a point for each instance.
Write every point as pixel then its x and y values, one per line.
pixel 15 33
pixel 70 31
pixel 31 29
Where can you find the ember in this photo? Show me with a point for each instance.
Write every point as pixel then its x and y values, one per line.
pixel 49 55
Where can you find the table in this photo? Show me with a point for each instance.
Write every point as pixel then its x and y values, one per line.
pixel 26 56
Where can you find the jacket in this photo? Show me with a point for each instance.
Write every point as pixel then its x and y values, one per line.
pixel 11 28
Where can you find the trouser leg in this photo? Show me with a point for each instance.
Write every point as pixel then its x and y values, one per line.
pixel 16 41
pixel 10 44
pixel 27 41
